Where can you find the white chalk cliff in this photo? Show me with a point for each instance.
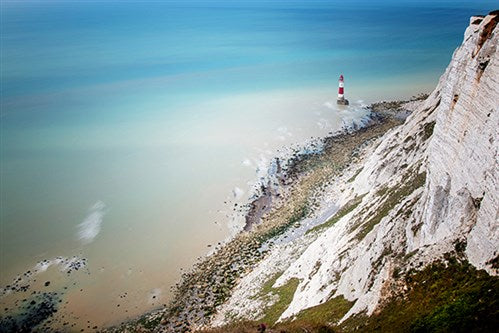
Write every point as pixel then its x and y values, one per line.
pixel 424 187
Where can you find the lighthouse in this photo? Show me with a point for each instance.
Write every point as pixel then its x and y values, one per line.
pixel 341 92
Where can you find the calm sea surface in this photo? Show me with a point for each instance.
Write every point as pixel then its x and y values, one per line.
pixel 130 129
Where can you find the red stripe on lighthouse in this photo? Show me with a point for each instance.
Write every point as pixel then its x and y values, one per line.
pixel 341 91
pixel 340 87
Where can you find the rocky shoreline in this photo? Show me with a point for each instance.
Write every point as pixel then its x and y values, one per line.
pixel 285 200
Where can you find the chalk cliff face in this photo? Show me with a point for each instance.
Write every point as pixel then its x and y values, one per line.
pixel 426 188
pixel 461 194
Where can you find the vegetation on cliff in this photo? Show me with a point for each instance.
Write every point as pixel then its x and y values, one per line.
pixel 447 296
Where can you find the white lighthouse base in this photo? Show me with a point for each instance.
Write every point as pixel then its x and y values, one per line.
pixel 342 101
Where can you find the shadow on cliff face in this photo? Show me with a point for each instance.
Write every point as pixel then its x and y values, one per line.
pixel 31 315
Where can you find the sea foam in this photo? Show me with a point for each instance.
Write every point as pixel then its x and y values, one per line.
pixel 90 227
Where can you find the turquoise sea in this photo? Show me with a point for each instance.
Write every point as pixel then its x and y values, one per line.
pixel 129 129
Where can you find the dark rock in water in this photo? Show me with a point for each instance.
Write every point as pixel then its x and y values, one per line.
pixel 342 101
pixel 30 314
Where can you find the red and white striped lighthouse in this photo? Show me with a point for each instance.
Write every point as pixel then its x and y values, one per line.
pixel 341 92
pixel 341 87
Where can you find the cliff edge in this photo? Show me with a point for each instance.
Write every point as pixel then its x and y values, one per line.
pixel 425 193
